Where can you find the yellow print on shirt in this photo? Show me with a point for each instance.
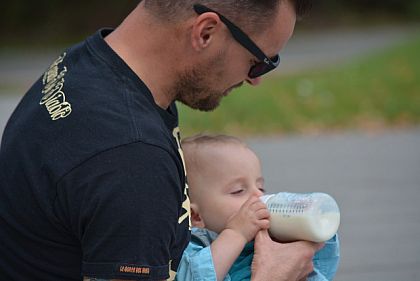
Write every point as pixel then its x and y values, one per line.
pixel 186 203
pixel 54 98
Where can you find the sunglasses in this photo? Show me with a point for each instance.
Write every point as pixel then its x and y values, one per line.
pixel 265 63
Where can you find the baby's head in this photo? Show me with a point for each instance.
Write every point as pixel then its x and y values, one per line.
pixel 223 172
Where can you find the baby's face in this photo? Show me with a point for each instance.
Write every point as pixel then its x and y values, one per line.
pixel 232 175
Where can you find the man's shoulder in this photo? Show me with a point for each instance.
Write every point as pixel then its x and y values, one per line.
pixel 108 102
pixel 80 107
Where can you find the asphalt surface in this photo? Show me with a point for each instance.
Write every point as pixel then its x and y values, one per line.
pixel 375 178
pixel 317 50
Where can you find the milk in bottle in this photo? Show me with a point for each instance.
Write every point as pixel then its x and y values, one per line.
pixel 302 216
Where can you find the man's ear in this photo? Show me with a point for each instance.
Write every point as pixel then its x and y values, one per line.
pixel 203 30
pixel 196 219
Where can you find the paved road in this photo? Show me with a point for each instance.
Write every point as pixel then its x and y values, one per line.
pixel 314 50
pixel 7 105
pixel 306 50
pixel 376 181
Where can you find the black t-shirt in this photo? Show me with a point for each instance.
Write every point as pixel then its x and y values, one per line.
pixel 92 181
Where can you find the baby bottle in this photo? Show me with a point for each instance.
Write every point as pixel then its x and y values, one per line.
pixel 302 216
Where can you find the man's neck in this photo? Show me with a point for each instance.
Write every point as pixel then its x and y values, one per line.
pixel 149 50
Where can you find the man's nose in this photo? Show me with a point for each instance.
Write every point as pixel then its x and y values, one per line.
pixel 253 81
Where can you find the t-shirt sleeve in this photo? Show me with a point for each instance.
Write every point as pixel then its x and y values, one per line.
pixel 123 206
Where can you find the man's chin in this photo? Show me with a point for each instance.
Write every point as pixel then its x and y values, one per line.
pixel 204 106
pixel 228 91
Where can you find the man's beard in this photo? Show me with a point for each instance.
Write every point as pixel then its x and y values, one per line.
pixel 194 86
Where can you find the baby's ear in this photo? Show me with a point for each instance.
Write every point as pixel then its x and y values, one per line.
pixel 196 219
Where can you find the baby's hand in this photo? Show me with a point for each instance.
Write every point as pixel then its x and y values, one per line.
pixel 251 217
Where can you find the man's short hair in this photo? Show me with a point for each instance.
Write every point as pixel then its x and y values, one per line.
pixel 252 15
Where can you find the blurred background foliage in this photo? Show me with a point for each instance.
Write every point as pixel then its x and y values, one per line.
pixel 371 93
pixel 376 91
pixel 60 21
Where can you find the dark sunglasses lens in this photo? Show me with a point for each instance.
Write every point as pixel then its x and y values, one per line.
pixel 258 70
pixel 262 68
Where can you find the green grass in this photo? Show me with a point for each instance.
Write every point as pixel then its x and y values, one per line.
pixel 383 90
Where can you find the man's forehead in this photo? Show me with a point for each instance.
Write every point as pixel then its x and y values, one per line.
pixel 275 36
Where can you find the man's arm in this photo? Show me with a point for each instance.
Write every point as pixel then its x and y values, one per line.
pixel 113 204
pixel 282 262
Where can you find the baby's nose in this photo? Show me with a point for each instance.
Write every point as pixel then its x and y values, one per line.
pixel 258 192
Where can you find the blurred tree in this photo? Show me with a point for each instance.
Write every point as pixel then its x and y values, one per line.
pixel 58 21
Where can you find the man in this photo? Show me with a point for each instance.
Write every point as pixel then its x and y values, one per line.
pixel 91 171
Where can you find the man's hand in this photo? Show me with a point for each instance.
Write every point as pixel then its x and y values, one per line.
pixel 282 262
pixel 252 217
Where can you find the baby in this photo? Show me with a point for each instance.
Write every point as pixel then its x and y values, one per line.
pixel 225 183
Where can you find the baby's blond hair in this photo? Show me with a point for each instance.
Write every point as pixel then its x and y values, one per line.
pixel 195 149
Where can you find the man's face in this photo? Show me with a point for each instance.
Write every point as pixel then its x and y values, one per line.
pixel 198 87
pixel 203 86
